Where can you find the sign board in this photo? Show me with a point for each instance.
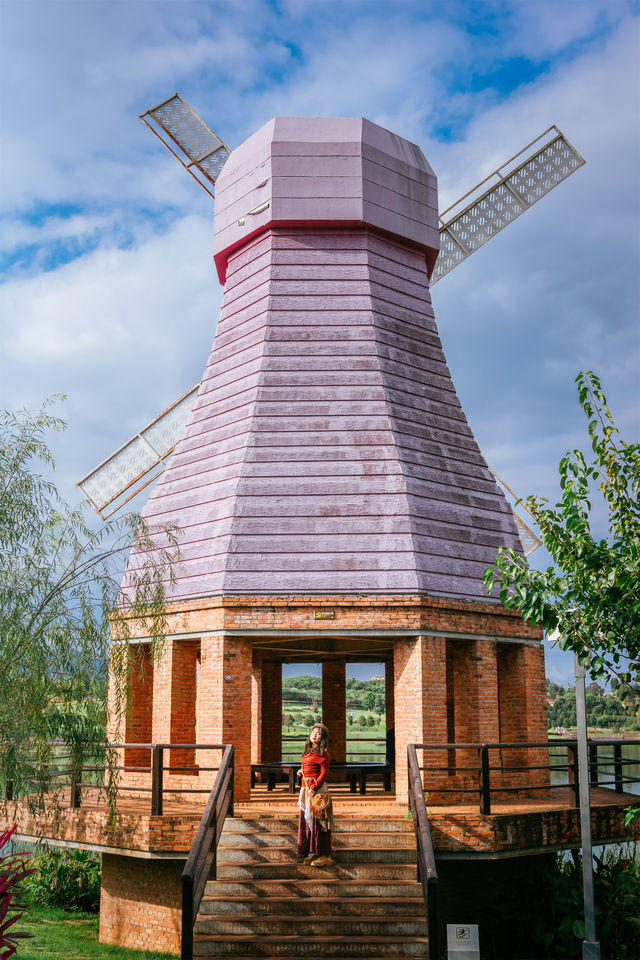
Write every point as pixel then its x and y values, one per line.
pixel 463 941
pixel 325 614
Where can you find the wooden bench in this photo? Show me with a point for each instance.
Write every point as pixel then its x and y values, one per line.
pixel 355 772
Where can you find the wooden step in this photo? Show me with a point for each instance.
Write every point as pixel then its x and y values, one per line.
pixel 259 825
pixel 303 871
pixel 320 885
pixel 296 946
pixel 251 854
pixel 264 903
pixel 340 841
pixel 336 927
pixel 325 902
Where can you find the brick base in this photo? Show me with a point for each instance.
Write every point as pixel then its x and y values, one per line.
pixel 140 903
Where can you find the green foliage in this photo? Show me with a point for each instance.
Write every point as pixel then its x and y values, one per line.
pixel 590 595
pixel 69 879
pixel 59 595
pixel 631 815
pixel 13 871
pixel 542 917
pixel 603 711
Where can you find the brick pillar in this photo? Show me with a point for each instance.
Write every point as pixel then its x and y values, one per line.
pixel 535 692
pixel 138 722
pixel 224 705
pixel 162 694
pixel 271 711
pixel 511 691
pixel 183 704
pixel 485 695
pixel 389 706
pixel 256 709
pixel 334 707
pixel 140 903
pixel 420 697
pixel 535 707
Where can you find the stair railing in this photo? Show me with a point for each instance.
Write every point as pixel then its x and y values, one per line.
pixel 201 862
pixel 427 870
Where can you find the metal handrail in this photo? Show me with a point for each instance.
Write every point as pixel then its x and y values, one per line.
pixel 202 860
pixel 427 870
pixel 484 768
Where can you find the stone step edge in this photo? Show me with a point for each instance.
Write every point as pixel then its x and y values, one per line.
pixel 356 900
pixel 248 938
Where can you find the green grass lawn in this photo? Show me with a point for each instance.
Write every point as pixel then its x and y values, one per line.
pixel 60 935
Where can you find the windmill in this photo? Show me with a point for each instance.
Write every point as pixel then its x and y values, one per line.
pixel 466 225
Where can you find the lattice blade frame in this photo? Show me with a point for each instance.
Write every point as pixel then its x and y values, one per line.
pixel 502 196
pixel 205 152
pixel 127 471
pixel 530 542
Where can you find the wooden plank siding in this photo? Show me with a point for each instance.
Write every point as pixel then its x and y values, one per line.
pixel 327 450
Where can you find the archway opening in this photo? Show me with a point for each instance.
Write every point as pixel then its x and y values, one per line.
pixel 301 705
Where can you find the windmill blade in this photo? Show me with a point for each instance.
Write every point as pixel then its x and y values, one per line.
pixel 205 152
pixel 131 468
pixel 466 225
pixel 530 542
pixel 503 196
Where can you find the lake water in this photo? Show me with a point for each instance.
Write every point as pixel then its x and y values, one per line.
pixel 606 772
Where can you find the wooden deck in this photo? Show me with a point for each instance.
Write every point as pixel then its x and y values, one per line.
pixel 531 825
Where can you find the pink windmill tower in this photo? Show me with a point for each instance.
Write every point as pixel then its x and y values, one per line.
pixel 332 501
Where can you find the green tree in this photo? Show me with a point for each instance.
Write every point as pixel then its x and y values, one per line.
pixel 590 595
pixel 59 595
pixel 368 701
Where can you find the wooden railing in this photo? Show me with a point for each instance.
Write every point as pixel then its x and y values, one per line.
pixel 201 863
pixel 492 768
pixel 75 766
pixel 427 872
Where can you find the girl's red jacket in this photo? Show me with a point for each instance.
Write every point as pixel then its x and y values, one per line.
pixel 315 768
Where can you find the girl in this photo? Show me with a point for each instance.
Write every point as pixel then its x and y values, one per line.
pixel 314 836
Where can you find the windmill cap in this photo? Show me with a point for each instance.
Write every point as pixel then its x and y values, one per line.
pixel 319 171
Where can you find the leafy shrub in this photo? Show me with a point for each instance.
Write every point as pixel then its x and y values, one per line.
pixel 542 917
pixel 13 870
pixel 69 879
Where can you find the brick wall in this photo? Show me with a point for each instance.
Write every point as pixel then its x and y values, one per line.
pixel 140 903
pixel 240 701
pixel 183 702
pixel 256 709
pixel 361 611
pixel 334 707
pixel 224 704
pixel 420 696
pixel 271 711
pixel 138 722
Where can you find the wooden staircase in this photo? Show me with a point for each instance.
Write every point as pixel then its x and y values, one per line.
pixel 265 904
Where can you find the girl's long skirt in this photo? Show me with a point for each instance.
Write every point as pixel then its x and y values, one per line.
pixel 314 840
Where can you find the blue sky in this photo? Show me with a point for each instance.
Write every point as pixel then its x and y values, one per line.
pixel 108 291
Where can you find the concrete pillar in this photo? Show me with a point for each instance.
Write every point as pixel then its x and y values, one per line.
pixel 420 697
pixel 224 705
pixel 271 711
